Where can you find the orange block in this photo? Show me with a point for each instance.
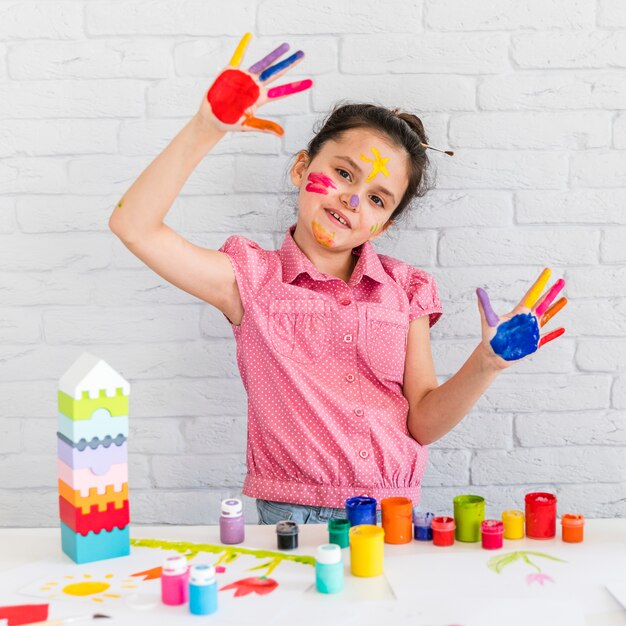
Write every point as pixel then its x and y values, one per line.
pixel 94 498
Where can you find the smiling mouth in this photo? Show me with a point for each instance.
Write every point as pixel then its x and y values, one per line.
pixel 334 217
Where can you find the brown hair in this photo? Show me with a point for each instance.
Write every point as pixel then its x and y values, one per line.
pixel 404 129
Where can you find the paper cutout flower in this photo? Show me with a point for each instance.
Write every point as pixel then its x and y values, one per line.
pixel 259 585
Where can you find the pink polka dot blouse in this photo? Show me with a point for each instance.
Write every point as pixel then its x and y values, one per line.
pixel 322 362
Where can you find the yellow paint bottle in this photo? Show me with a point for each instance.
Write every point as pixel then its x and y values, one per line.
pixel 513 524
pixel 367 545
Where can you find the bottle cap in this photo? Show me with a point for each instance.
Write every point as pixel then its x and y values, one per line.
pixel 492 527
pixel 443 523
pixel 572 519
pixel 174 565
pixel 328 554
pixel 232 507
pixel 421 518
pixel 201 575
pixel 286 527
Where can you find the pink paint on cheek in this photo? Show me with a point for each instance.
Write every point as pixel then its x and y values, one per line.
pixel 354 201
pixel 312 188
pixel 318 178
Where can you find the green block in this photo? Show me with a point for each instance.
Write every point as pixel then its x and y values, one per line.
pixel 84 408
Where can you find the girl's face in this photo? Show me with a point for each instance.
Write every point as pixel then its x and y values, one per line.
pixel 350 189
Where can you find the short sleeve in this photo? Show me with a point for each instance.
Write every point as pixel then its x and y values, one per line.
pixel 423 296
pixel 249 263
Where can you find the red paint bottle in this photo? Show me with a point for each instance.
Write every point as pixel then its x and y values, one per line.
pixel 443 530
pixel 540 515
pixel 492 532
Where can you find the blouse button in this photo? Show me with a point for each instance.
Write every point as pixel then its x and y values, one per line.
pixel 350 378
pixel 358 412
pixel 347 338
pixel 346 301
pixel 363 454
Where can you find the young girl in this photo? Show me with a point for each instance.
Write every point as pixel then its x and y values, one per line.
pixel 332 338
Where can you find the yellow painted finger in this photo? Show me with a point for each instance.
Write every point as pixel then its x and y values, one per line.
pixel 240 50
pixel 533 294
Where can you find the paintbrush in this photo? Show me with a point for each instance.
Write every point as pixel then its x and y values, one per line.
pixel 69 620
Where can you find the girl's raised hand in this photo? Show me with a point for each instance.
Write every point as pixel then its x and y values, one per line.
pixel 235 94
pixel 516 335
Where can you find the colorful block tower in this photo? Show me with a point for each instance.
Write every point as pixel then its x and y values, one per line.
pixel 93 461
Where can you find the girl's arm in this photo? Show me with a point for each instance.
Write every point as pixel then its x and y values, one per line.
pixel 436 409
pixel 229 105
pixel 138 222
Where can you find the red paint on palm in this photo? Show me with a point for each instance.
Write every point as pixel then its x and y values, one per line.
pixel 24 613
pixel 231 94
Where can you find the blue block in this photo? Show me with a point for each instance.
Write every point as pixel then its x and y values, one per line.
pixel 95 546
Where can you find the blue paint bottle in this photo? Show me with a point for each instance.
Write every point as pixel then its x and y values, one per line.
pixel 202 590
pixel 361 510
pixel 329 568
pixel 422 526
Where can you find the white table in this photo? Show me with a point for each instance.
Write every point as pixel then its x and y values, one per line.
pixel 365 601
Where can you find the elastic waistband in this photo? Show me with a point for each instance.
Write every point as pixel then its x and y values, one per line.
pixel 321 495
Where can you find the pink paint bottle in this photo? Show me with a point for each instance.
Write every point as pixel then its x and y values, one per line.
pixel 492 531
pixel 175 581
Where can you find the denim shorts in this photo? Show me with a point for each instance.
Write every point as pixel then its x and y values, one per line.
pixel 271 512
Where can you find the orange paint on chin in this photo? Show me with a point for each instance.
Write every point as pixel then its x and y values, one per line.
pixel 322 236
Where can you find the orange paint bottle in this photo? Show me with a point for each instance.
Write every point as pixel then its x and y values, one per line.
pixel 572 527
pixel 397 518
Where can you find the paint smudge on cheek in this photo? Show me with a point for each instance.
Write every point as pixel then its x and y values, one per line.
pixel 374 228
pixel 322 236
pixel 517 337
pixel 319 183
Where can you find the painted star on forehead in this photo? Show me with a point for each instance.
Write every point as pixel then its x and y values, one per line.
pixel 378 164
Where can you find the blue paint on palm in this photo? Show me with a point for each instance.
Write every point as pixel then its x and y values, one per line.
pixel 516 337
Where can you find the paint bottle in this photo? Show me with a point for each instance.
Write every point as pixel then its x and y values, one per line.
pixel 469 512
pixel 287 535
pixel 174 580
pixel 443 530
pixel 329 568
pixel 540 515
pixel 397 518
pixel 361 510
pixel 367 548
pixel 422 529
pixel 492 531
pixel 572 526
pixel 232 526
pixel 513 521
pixel 202 590
pixel 339 532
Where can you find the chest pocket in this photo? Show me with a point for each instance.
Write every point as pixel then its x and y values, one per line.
pixel 386 337
pixel 299 329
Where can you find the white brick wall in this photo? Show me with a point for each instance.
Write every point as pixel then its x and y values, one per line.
pixel 531 95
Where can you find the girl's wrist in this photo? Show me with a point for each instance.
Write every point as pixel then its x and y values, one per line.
pixel 206 128
pixel 489 361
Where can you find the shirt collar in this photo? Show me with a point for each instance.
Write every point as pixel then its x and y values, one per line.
pixel 295 262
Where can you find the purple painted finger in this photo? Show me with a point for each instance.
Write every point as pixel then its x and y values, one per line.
pixel 490 314
pixel 550 296
pixel 266 61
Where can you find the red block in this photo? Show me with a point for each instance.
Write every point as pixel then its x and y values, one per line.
pixel 95 520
